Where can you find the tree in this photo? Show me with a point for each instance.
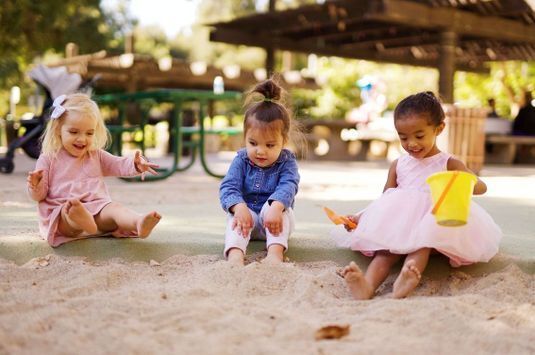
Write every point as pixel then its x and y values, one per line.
pixel 29 29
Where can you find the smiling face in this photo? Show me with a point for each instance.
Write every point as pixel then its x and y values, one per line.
pixel 418 135
pixel 77 133
pixel 264 143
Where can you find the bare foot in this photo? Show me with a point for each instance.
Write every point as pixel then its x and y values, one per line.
pixel 147 223
pixel 275 255
pixel 408 279
pixel 358 286
pixel 273 259
pixel 79 217
pixel 235 257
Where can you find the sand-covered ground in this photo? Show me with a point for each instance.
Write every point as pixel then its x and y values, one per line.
pixel 201 305
pixel 60 303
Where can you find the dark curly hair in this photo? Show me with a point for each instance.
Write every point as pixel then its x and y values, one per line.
pixel 421 104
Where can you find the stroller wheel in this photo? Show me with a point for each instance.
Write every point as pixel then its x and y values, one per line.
pixel 6 166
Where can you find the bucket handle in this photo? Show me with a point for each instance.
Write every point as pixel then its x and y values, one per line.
pixel 444 192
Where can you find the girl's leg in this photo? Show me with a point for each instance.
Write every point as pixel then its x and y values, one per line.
pixel 75 219
pixel 235 243
pixel 363 286
pixel 278 244
pixel 115 216
pixel 275 254
pixel 411 273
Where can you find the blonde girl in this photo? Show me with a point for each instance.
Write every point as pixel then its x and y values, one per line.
pixel 68 180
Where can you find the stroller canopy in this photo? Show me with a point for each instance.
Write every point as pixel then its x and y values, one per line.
pixel 57 81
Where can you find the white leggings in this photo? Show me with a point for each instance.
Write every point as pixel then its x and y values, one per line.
pixel 258 232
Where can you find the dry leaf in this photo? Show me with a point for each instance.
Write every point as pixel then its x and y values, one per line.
pixel 154 263
pixel 337 219
pixel 332 332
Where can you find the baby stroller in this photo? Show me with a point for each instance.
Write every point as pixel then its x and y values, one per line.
pixel 55 82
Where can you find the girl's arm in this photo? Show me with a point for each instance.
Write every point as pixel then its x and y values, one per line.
pixel 288 184
pixel 112 165
pixel 230 190
pixel 455 164
pixel 391 180
pixel 37 181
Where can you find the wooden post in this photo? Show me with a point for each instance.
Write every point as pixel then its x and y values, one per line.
pixel 448 41
pixel 270 51
pixel 129 43
pixel 71 50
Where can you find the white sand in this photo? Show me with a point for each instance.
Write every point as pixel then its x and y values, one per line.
pixel 199 305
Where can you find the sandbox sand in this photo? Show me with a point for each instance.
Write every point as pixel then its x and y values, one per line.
pixel 200 305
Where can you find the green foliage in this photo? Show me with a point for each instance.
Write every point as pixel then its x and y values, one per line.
pixel 29 29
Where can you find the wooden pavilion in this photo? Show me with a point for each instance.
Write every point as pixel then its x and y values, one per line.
pixel 132 72
pixel 448 35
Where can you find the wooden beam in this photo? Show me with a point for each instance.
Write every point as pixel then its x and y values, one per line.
pixel 464 23
pixel 320 48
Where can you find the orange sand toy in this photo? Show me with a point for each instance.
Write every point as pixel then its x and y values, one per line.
pixel 337 219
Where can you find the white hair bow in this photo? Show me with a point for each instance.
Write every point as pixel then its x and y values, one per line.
pixel 58 109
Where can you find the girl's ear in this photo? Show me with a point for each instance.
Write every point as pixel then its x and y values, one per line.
pixel 440 128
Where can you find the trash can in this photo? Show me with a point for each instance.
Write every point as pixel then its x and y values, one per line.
pixel 464 135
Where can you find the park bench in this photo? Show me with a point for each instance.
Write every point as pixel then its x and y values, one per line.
pixel 505 149
pixel 342 136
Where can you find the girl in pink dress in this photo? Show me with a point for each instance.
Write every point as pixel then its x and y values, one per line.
pixel 68 180
pixel 400 222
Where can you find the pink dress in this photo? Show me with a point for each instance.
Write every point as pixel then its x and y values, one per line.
pixel 66 177
pixel 401 222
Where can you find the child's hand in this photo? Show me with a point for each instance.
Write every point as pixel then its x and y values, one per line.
pixel 142 165
pixel 34 179
pixel 352 218
pixel 273 218
pixel 242 219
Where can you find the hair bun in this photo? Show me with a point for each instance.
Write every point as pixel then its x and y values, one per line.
pixel 269 89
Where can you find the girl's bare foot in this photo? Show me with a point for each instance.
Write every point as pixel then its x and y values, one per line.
pixel 275 255
pixel 147 223
pixel 235 257
pixel 272 259
pixel 79 217
pixel 408 279
pixel 358 286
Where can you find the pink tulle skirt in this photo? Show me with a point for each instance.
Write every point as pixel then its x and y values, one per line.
pixel 400 221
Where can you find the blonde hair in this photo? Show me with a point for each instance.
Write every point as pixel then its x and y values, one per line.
pixel 74 104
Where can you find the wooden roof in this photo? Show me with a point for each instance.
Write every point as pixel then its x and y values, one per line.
pixel 137 72
pixel 395 31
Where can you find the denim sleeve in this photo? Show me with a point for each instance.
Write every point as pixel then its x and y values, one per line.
pixel 230 190
pixel 288 184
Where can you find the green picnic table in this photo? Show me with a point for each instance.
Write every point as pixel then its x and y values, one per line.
pixel 177 97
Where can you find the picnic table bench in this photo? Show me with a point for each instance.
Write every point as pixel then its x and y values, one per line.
pixel 179 132
pixel 339 148
pixel 504 149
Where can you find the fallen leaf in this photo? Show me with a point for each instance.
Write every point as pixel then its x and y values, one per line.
pixel 332 332
pixel 337 219
pixel 154 263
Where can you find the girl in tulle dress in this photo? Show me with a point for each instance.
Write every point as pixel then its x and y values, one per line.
pixel 400 223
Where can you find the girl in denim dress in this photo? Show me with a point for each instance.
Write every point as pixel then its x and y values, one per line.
pixel 259 189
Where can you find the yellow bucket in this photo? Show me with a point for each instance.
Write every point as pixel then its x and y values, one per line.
pixel 451 192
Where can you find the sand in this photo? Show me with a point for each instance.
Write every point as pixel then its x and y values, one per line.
pixel 200 304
